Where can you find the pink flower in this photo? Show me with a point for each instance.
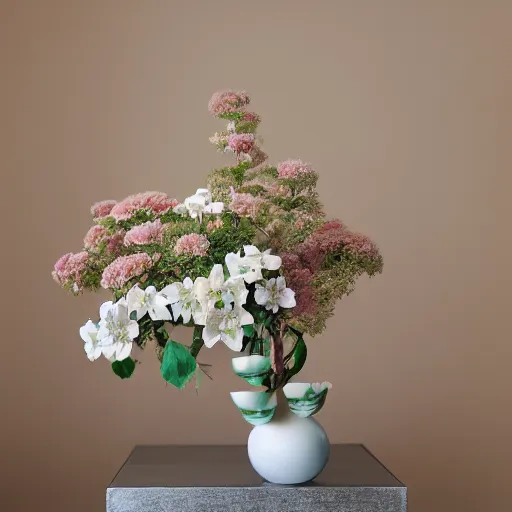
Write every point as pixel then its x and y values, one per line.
pixel 241 142
pixel 157 203
pixel 360 244
pixel 115 242
pixel 192 244
pixel 98 236
pixel 124 268
pixel 250 117
pixel 246 205
pixel 103 208
pixel 300 280
pixel 227 102
pixel 327 238
pixel 69 269
pixel 292 169
pixel 214 224
pixel 94 237
pixel 147 233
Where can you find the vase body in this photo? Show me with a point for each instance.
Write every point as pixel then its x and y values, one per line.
pixel 288 449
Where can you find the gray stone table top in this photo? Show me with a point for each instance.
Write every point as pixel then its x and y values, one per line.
pixel 172 478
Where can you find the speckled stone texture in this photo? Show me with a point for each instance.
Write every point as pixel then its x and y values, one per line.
pixel 221 479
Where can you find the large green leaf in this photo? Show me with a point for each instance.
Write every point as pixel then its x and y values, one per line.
pixel 124 368
pixel 300 353
pixel 178 365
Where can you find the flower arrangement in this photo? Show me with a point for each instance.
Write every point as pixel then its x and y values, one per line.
pixel 250 261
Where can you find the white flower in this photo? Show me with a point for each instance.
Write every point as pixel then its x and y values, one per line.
pixel 200 203
pixel 214 208
pixel 274 295
pixel 231 127
pixel 250 265
pixel 195 205
pixel 117 331
pixel 185 302
pixel 226 324
pixel 89 333
pixel 148 301
pixel 180 209
pixel 318 387
pixel 205 193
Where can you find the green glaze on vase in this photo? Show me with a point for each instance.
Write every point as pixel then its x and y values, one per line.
pixel 257 407
pixel 306 399
pixel 254 369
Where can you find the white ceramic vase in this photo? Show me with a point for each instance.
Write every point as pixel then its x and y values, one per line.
pixel 288 449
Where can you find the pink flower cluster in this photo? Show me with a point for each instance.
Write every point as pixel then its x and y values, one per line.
pixel 227 102
pixel 102 209
pixel 147 233
pixel 99 235
pixel 331 237
pixel 246 205
pixel 214 224
pixel 250 117
pixel 241 142
pixel 156 202
pixel 192 244
pixel 292 169
pixel 300 279
pixel 69 269
pixel 94 237
pixel 124 268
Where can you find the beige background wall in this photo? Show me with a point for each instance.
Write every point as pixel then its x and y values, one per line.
pixel 404 107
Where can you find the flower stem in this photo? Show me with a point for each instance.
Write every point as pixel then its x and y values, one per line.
pixel 197 341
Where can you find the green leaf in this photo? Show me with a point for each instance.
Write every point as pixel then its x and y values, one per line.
pixel 249 330
pixel 300 353
pixel 178 365
pixel 124 368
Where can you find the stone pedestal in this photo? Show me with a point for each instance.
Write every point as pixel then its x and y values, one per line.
pixel 221 479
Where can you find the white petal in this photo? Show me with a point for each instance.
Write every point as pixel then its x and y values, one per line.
pixel 109 351
pixel 188 283
pixel 287 298
pixel 87 330
pixel 172 292
pixel 103 334
pixel 199 316
pixel 159 312
pixel 141 312
pixel 180 209
pixel 176 310
pixel 271 262
pixel 96 353
pixel 210 338
pixel 105 308
pixel 133 329
pixel 233 264
pixel 216 278
pixel 123 351
pixel 234 344
pixel 186 314
pixel 215 208
pixel 261 295
pixel 201 288
pixel 245 317
pixel 251 250
pixel 253 275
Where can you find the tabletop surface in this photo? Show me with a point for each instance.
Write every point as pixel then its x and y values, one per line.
pixel 350 465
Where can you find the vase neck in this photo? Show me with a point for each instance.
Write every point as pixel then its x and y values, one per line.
pixel 282 409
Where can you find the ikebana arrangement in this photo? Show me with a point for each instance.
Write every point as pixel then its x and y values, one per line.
pixel 250 260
